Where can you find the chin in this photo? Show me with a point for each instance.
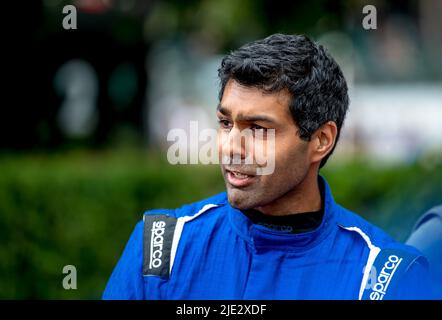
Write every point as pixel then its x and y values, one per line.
pixel 240 200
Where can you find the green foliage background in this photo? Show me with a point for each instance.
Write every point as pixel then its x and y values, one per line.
pixel 79 208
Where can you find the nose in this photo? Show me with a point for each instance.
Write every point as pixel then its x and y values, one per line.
pixel 234 147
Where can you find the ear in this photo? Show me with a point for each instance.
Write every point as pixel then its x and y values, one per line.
pixel 323 141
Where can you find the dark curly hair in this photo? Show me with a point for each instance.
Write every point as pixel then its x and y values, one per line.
pixel 303 67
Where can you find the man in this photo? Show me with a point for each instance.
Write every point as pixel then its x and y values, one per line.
pixel 277 235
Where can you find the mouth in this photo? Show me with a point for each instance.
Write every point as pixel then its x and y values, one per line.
pixel 239 179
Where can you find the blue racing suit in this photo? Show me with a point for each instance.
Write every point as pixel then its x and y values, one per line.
pixel 210 250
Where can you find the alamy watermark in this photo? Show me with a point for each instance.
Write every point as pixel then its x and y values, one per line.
pixel 236 147
pixel 370 20
pixel 70 19
pixel 70 280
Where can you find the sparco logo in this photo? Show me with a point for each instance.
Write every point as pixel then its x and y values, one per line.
pixel 383 280
pixel 156 244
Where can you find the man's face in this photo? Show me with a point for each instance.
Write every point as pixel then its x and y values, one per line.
pixel 249 108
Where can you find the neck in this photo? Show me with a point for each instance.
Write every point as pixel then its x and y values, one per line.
pixel 305 197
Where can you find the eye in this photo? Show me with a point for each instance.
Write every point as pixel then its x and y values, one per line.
pixel 257 127
pixel 259 131
pixel 224 124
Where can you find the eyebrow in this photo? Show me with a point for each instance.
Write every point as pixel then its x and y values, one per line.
pixel 245 118
pixel 223 110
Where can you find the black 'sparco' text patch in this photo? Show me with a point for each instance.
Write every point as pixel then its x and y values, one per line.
pixel 157 238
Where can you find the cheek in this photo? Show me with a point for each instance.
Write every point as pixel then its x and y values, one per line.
pixel 222 139
pixel 262 152
pixel 264 149
pixel 291 156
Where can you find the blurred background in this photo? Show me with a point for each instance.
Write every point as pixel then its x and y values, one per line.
pixel 85 114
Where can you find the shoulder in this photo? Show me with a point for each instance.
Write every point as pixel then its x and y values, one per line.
pixel 191 209
pixel 372 235
pixel 400 268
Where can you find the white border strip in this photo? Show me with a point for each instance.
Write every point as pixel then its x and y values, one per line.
pixel 179 229
pixel 374 251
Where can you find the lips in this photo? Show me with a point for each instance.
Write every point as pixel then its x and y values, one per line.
pixel 239 179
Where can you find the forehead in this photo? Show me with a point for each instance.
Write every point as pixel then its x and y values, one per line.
pixel 239 99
